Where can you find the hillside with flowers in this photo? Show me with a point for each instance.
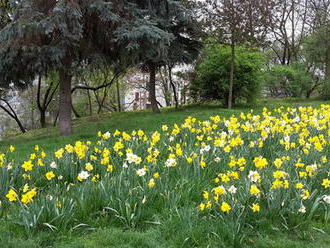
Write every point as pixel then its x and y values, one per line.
pixel 164 123
pixel 218 181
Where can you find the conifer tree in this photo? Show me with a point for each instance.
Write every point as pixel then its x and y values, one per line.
pixel 177 25
pixel 59 35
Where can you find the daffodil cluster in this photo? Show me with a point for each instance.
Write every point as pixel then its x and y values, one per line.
pixel 272 162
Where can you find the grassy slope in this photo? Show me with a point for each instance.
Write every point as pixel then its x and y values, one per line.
pixel 86 129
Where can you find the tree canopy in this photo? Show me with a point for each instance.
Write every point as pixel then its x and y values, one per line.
pixel 59 35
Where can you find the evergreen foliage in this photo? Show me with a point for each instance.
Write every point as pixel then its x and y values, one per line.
pixel 60 35
pixel 177 23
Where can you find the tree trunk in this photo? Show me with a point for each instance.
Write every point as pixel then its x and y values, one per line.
pixel 152 88
pixel 293 49
pixel 105 94
pixel 56 118
pixel 173 86
pixel 327 63
pixel 99 102
pixel 90 103
pixel 42 118
pixel 183 96
pixel 75 112
pixel 167 94
pixel 11 112
pixel 231 81
pixel 32 118
pixel 118 96
pixel 65 105
pixel 40 107
pixel 166 91
pixel 20 125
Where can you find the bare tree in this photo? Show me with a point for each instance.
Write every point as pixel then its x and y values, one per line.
pixel 289 27
pixel 98 82
pixel 6 106
pixel 235 22
pixel 44 103
pixel 319 21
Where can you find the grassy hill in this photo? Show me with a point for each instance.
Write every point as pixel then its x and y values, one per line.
pixel 86 128
pixel 160 234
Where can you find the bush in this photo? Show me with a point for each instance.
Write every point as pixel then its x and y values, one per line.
pixel 213 74
pixel 288 80
pixel 325 91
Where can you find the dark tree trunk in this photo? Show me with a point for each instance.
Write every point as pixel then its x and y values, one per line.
pixel 42 110
pixel 231 81
pixel 173 87
pixel 105 94
pixel 75 112
pixel 152 88
pixel 11 112
pixel 20 125
pixel 118 96
pixel 42 118
pixel 283 60
pixel 99 102
pixel 90 103
pixel 42 106
pixel 310 91
pixel 56 118
pixel 65 105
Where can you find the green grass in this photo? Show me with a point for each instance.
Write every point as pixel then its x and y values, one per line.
pixel 86 128
pixel 180 231
pixel 112 237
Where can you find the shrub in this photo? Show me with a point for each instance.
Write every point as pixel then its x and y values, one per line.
pixel 213 74
pixel 288 80
pixel 325 91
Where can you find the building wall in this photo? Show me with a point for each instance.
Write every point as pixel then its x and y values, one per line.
pixel 136 95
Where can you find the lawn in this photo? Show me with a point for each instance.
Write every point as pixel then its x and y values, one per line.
pixel 86 128
pixel 172 220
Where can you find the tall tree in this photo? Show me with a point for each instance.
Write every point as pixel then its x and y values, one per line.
pixel 235 22
pixel 60 34
pixel 177 23
pixel 320 24
pixel 288 29
pixel 44 100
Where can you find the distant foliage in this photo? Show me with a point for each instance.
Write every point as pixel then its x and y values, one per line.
pixel 325 91
pixel 288 81
pixel 212 77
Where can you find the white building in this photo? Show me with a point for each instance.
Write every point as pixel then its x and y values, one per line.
pixel 137 97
